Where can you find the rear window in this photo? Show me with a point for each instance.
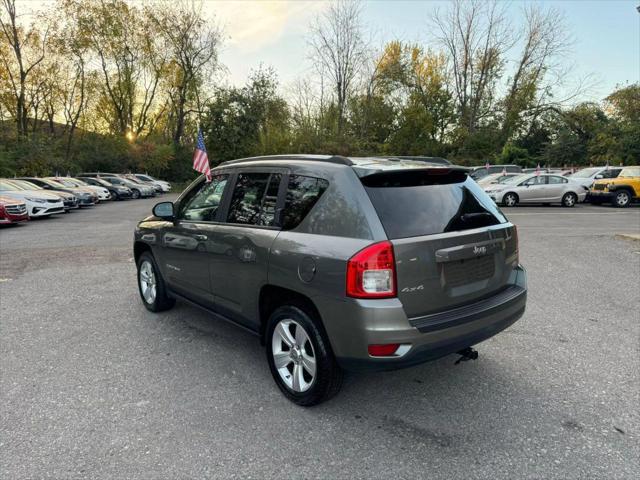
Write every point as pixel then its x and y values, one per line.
pixel 412 204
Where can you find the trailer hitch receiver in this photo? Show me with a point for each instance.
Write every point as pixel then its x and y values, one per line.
pixel 466 355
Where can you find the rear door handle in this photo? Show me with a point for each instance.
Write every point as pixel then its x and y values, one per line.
pixel 200 238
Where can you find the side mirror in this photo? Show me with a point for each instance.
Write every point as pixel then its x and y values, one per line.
pixel 163 210
pixel 599 176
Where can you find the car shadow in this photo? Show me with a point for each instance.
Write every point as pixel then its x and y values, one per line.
pixel 437 403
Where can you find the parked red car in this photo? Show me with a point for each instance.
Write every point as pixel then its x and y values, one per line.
pixel 12 211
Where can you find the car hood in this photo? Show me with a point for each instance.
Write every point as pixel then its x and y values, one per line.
pixel 495 187
pixel 60 194
pixel 5 200
pixel 31 194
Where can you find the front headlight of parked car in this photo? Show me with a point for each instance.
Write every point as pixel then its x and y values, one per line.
pixel 35 200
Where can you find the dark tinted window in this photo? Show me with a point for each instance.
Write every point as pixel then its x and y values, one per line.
pixel 254 199
pixel 202 204
pixel 302 195
pixel 611 173
pixel 411 204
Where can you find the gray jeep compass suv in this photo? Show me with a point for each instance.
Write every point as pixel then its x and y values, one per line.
pixel 337 263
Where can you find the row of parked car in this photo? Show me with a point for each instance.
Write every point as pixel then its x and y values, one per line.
pixel 510 185
pixel 31 197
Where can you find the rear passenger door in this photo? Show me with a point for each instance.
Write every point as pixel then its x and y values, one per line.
pixel 556 187
pixel 241 244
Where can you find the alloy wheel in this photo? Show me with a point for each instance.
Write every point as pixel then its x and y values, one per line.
pixel 570 200
pixel 147 282
pixel 622 198
pixel 510 200
pixel 293 355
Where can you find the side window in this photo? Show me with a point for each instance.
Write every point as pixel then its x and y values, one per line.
pixel 254 199
pixel 557 180
pixel 537 180
pixel 302 195
pixel 203 204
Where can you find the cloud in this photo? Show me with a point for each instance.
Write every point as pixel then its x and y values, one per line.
pixel 253 24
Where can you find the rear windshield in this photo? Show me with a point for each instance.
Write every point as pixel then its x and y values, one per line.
pixel 411 203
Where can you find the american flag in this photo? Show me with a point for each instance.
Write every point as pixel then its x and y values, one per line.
pixel 200 158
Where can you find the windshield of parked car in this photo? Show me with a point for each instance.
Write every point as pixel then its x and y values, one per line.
pixel 516 179
pixel 7 187
pixel 79 182
pixel 506 178
pixel 586 173
pixel 66 183
pixel 24 185
pixel 53 183
pixel 630 172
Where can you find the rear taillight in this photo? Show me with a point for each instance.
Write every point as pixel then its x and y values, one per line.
pixel 515 237
pixel 371 273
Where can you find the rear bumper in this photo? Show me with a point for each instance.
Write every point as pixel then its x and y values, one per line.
pixel 429 337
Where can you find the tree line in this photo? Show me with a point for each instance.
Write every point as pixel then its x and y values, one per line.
pixel 111 85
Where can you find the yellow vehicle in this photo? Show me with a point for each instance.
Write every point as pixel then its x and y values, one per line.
pixel 620 191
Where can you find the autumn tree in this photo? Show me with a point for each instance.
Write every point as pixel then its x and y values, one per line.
pixel 339 50
pixel 475 35
pixel 193 44
pixel 21 50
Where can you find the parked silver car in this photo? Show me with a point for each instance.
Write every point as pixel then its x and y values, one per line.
pixel 532 188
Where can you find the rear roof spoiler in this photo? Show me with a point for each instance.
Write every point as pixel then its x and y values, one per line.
pixel 366 171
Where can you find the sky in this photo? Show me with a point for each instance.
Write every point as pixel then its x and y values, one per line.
pixel 275 33
pixel 606 35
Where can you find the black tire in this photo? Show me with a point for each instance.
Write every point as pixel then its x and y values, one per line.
pixel 135 194
pixel 115 196
pixel 161 300
pixel 510 199
pixel 328 374
pixel 621 199
pixel 569 200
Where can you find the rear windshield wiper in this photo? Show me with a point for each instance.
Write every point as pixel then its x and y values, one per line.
pixel 465 217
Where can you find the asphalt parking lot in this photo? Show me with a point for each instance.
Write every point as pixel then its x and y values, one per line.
pixel 93 385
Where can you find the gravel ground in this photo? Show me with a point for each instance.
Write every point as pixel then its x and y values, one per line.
pixel 94 386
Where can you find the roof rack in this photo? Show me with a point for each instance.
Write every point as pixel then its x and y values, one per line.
pixel 337 159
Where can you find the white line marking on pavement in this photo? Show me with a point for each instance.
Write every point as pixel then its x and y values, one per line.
pixel 568 213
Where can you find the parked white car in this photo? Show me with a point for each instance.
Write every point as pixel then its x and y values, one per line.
pixel 587 176
pixel 496 178
pixel 103 193
pixel 532 188
pixel 165 186
pixel 39 204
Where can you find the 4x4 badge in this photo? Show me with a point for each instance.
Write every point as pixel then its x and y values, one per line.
pixel 412 289
pixel 480 250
